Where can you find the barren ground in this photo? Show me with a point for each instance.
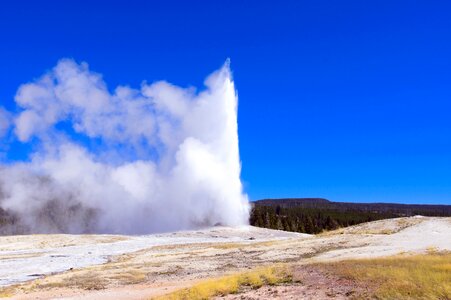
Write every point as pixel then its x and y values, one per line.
pixel 140 267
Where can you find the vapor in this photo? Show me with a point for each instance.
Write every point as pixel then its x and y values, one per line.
pixel 158 158
pixel 5 121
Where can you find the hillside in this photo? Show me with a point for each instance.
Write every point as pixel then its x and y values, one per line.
pixel 314 215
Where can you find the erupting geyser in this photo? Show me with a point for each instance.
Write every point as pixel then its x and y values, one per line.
pixel 158 158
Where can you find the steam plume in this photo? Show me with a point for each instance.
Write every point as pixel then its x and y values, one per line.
pixel 157 158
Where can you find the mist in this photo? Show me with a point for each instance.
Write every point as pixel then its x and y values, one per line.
pixel 124 160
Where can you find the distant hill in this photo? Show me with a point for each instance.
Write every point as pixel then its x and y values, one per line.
pixel 395 208
pixel 313 215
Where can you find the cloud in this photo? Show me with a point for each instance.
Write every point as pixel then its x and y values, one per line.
pixel 152 159
pixel 5 121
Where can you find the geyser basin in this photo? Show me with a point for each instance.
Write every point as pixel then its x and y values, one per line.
pixel 158 158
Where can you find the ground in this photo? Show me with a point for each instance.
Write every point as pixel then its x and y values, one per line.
pixel 311 282
pixel 142 267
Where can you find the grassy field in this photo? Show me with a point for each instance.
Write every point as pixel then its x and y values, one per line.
pixel 231 284
pixel 421 276
pixel 425 276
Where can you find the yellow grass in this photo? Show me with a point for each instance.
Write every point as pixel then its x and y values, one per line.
pixel 232 284
pixel 426 276
pixel 6 293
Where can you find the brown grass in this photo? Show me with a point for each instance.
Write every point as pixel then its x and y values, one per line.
pixel 231 284
pixel 425 276
pixel 84 280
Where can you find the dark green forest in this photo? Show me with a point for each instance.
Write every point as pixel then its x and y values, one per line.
pixel 312 215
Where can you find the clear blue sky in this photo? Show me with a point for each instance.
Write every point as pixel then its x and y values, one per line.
pixel 348 100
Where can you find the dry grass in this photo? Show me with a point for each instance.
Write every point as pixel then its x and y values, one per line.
pixel 423 276
pixel 130 277
pixel 243 245
pixel 385 227
pixel 232 284
pixel 225 245
pixel 359 230
pixel 6 292
pixel 84 280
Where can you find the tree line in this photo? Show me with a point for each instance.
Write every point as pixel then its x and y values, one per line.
pixel 309 220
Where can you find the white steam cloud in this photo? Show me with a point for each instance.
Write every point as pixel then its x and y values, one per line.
pixel 158 158
pixel 5 120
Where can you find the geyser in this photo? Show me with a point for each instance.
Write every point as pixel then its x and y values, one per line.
pixel 158 158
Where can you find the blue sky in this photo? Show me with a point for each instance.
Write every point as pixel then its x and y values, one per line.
pixel 347 100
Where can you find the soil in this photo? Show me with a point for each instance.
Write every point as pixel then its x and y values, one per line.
pixel 311 282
